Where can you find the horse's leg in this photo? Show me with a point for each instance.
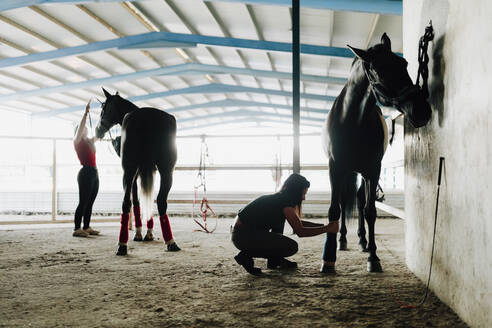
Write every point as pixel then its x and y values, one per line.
pixel 166 182
pixel 337 177
pixel 136 212
pixel 128 179
pixel 361 204
pixel 342 246
pixel 373 263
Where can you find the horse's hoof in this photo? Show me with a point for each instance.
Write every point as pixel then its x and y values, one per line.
pixel 173 247
pixel 122 250
pixel 138 236
pixel 342 246
pixel 374 266
pixel 148 237
pixel 363 248
pixel 328 269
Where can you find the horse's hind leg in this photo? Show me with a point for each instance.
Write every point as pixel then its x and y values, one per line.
pixel 361 204
pixel 166 182
pixel 128 179
pixel 342 245
pixel 373 263
pixel 137 213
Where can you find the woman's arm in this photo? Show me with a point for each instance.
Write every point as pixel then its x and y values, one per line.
pixel 304 231
pixel 78 136
pixel 311 224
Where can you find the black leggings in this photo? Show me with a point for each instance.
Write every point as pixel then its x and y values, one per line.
pixel 265 244
pixel 88 180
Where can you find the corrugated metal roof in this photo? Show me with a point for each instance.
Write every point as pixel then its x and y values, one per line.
pixel 40 73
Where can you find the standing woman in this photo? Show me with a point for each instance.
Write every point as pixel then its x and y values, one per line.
pixel 87 178
pixel 258 229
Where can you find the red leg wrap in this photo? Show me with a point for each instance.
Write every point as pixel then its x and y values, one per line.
pixel 150 223
pixel 138 216
pixel 124 228
pixel 166 228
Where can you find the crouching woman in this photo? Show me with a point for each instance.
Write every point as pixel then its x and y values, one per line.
pixel 258 229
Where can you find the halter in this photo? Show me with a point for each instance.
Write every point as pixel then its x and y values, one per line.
pixel 381 92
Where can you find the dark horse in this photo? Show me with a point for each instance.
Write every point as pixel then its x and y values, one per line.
pixel 148 143
pixel 355 139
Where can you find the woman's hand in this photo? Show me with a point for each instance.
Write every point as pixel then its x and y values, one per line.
pixel 333 227
pixel 88 106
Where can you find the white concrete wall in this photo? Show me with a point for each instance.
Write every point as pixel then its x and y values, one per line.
pixel 461 131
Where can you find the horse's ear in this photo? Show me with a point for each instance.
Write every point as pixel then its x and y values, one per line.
pixel 107 94
pixel 117 93
pixel 362 54
pixel 385 40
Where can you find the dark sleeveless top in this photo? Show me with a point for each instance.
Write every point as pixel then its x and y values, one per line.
pixel 266 212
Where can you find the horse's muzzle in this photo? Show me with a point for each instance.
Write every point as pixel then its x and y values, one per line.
pixel 417 110
pixel 100 131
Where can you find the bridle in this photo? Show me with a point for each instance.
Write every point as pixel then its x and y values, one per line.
pixel 381 92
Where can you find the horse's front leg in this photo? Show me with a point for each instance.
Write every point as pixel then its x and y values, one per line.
pixel 166 182
pixel 128 179
pixel 373 263
pixel 330 250
pixel 342 245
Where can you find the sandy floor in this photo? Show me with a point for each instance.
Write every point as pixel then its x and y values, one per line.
pixel 50 279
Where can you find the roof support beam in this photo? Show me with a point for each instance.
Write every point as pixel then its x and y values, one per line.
pixel 201 89
pixel 13 4
pixel 157 39
pixel 183 69
pixel 243 113
pixel 241 120
pixel 386 7
pixel 242 103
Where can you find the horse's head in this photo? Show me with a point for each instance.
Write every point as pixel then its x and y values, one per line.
pixel 392 86
pixel 110 113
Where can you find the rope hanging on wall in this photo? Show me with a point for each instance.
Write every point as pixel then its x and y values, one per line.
pixel 204 207
pixel 413 306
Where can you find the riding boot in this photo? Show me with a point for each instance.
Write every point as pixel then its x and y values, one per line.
pixel 280 263
pixel 247 262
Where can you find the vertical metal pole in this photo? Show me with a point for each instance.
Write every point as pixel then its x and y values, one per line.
pixel 296 116
pixel 53 182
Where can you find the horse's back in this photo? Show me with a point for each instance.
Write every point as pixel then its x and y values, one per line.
pixel 149 137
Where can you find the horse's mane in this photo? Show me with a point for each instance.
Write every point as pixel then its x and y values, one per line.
pixel 127 103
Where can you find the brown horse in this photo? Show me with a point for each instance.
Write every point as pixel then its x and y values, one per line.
pixel 355 139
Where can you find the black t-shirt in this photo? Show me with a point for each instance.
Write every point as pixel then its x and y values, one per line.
pixel 266 212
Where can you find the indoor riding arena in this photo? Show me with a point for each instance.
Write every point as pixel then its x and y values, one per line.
pixel 245 163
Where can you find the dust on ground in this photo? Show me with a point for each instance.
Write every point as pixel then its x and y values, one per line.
pixel 50 279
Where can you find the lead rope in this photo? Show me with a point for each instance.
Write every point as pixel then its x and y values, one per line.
pixel 204 204
pixel 413 306
pixel 423 70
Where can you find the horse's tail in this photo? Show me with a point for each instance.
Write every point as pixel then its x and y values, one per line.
pixel 349 194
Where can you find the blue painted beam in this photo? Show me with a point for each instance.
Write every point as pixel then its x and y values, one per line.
pixel 13 4
pixel 386 7
pixel 242 120
pixel 183 69
pixel 200 89
pixel 148 38
pixel 241 103
pixel 243 113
